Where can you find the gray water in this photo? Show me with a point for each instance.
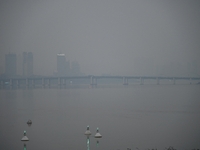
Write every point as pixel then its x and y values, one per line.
pixel 134 116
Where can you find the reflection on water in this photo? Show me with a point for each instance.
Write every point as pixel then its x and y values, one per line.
pixel 88 143
pixel 143 116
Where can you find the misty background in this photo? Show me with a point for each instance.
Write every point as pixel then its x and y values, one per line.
pixel 112 37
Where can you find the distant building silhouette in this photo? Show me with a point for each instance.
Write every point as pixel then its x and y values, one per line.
pixel 75 69
pixel 10 64
pixel 63 66
pixel 27 64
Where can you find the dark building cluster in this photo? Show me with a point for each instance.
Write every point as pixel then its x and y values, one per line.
pixel 27 64
pixel 63 67
pixel 11 65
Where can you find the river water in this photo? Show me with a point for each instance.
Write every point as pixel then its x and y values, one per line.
pixel 134 116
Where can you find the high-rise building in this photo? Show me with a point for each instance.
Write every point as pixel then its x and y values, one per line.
pixel 75 69
pixel 27 64
pixel 62 65
pixel 10 65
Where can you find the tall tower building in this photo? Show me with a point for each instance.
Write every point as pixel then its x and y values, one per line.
pixel 62 65
pixel 11 65
pixel 27 64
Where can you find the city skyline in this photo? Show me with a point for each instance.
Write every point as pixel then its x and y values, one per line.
pixel 106 37
pixel 25 67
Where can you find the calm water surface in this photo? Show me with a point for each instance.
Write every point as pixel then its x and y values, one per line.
pixel 142 116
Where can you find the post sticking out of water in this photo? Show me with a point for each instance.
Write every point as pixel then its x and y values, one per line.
pixel 98 136
pixel 24 146
pixel 88 133
pixel 88 142
pixel 24 138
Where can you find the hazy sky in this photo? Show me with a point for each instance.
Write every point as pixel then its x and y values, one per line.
pixel 117 37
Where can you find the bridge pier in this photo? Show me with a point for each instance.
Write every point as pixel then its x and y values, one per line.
pixel 174 81
pixel 1 83
pixel 125 81
pixel 11 82
pixel 26 82
pixel 33 82
pixel 29 82
pixel 158 81
pixel 43 82
pixel 93 81
pixel 49 82
pixel 59 81
pixel 64 82
pixel 141 81
pixel 17 82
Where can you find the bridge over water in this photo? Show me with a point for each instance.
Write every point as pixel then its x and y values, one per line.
pixel 92 80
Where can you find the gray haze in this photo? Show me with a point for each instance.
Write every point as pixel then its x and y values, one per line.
pixel 115 37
